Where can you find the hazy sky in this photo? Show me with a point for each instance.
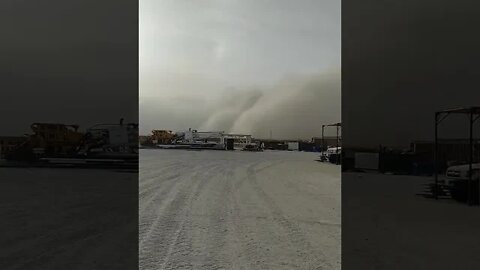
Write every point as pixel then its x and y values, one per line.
pixel 241 66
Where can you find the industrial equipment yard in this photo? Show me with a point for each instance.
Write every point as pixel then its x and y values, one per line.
pixel 238 210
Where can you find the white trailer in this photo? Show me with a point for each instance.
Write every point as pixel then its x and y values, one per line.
pixel 212 139
pixel 240 141
pixel 194 136
pixel 293 146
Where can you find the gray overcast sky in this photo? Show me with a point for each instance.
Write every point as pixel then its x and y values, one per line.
pixel 240 65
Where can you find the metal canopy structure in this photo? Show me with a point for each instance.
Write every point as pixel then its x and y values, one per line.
pixel 337 125
pixel 474 115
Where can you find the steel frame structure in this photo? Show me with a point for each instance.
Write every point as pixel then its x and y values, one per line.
pixel 338 126
pixel 474 115
pixel 241 140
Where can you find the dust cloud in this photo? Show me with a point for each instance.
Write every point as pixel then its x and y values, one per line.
pixel 293 108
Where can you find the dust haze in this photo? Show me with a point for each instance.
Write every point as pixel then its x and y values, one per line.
pixel 293 108
pixel 265 68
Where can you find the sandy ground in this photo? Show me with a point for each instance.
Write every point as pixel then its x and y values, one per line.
pixel 68 219
pixel 387 226
pixel 238 210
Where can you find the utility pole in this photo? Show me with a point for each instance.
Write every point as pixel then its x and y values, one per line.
pixel 323 138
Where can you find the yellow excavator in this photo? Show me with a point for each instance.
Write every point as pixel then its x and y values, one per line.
pixel 66 141
pixel 162 136
pixel 48 139
pixel 159 137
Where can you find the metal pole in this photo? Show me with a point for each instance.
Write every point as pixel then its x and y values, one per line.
pixel 323 139
pixel 435 153
pixel 338 158
pixel 470 174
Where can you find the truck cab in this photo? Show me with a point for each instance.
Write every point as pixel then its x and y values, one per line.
pixel 457 178
pixel 330 154
pixel 461 172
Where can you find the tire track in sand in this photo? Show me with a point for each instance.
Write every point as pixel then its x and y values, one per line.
pixel 166 236
pixel 294 233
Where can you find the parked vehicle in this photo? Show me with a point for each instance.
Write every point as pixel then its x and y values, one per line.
pixel 457 177
pixel 252 147
pixel 462 172
pixel 331 154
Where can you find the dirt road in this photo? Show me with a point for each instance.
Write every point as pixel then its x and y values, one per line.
pixel 238 210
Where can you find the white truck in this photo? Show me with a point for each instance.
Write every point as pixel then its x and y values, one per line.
pixel 456 179
pixel 331 151
pixel 461 172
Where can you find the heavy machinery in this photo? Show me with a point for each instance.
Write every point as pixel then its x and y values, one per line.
pixel 60 141
pixel 194 139
pixel 158 137
pixel 110 140
pixel 162 136
pixel 48 140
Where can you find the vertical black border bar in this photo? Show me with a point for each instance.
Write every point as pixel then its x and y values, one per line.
pixel 470 160
pixel 402 61
pixel 435 157
pixel 68 62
